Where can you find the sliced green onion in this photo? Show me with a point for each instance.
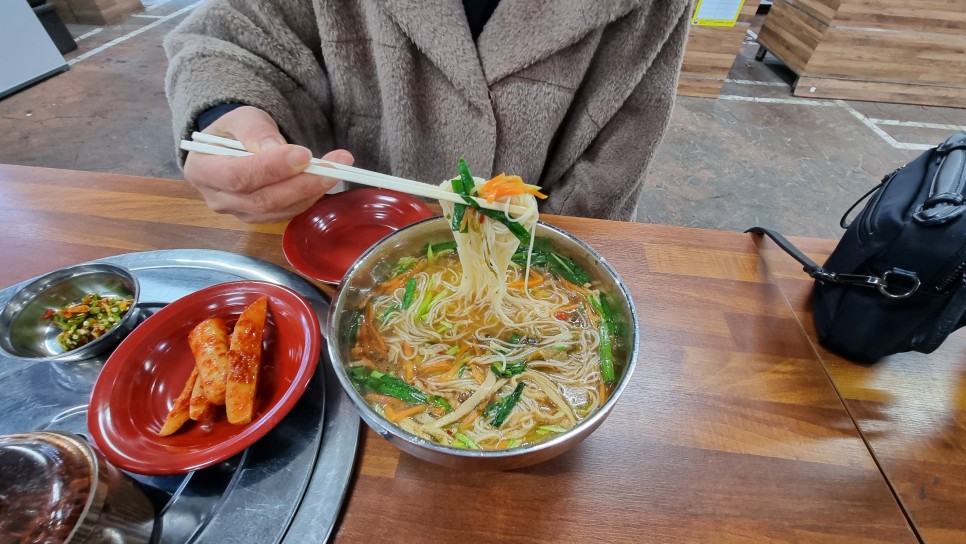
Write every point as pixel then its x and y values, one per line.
pixel 453 350
pixel 467 441
pixel 408 294
pixel 392 308
pixel 500 410
pixel 606 353
pixel 508 370
pixel 513 442
pixel 547 429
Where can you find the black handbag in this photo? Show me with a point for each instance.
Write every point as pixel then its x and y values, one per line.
pixel 895 281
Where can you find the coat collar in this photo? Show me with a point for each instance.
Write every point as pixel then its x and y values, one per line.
pixel 523 32
pixel 519 34
pixel 439 30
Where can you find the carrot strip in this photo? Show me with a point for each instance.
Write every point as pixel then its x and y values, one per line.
pixel 535 279
pixel 401 279
pixel 478 374
pixel 407 349
pixel 377 398
pixel 409 369
pixel 394 416
pixel 438 366
pixel 469 420
pixel 496 181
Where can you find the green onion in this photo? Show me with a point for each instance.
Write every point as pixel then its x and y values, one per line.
pixel 508 370
pixel 467 441
pixel 444 326
pixel 501 409
pixel 453 350
pixel 388 311
pixel 354 327
pixel 462 370
pixel 560 347
pixel 408 294
pixel 547 429
pixel 513 442
pixel 428 303
pixel 514 227
pixel 467 183
pixel 606 353
pixel 385 384
pixel 445 246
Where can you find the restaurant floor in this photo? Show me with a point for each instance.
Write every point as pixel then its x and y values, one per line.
pixel 754 156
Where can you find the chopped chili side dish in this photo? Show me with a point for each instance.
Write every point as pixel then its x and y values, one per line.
pixel 87 320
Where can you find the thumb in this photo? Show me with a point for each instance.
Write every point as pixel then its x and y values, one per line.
pixel 254 128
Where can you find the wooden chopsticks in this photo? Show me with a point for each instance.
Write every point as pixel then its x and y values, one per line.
pixel 216 145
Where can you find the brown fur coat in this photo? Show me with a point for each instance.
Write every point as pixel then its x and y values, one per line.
pixel 573 95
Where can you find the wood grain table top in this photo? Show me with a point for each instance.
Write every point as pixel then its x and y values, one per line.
pixel 736 426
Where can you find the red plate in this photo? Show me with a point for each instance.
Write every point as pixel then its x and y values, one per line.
pixel 147 371
pixel 323 241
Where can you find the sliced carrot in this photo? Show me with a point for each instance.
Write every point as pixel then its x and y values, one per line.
pixel 469 419
pixel 401 279
pixel 535 279
pixel 438 366
pixel 478 374
pixel 397 415
pixel 376 398
pixel 496 181
pixel 409 369
pixel 407 349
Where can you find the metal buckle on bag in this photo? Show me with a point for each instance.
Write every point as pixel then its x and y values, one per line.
pixel 907 285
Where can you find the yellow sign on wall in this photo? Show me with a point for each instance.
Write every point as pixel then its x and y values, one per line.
pixel 717 12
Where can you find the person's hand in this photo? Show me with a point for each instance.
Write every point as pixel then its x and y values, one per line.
pixel 265 187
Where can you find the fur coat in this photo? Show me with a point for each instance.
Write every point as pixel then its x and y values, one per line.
pixel 572 95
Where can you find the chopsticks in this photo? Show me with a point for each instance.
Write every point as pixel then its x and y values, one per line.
pixel 216 145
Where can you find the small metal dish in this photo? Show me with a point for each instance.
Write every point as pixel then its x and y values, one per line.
pixel 26 334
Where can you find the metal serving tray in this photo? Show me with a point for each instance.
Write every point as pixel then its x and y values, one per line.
pixel 288 487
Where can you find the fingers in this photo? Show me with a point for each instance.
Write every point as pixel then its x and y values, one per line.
pixel 246 174
pixel 260 201
pixel 269 185
pixel 254 128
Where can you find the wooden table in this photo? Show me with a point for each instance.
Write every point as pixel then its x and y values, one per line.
pixel 734 428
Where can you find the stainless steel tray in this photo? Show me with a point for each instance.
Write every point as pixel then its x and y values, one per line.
pixel 288 487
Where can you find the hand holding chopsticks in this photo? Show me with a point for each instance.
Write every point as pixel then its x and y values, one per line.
pixel 216 145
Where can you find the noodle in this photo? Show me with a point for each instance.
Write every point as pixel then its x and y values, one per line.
pixel 503 355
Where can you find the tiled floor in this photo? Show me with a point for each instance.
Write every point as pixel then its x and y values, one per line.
pixel 755 156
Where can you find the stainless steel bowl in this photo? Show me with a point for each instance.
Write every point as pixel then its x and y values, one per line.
pixel 373 267
pixel 23 331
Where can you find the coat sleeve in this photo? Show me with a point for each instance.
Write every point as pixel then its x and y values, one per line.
pixel 262 53
pixel 606 172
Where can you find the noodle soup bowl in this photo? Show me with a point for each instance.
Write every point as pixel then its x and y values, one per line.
pixel 373 267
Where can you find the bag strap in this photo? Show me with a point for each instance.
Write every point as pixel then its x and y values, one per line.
pixel 947 321
pixel 905 283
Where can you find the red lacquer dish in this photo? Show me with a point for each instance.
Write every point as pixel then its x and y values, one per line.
pixel 141 379
pixel 323 241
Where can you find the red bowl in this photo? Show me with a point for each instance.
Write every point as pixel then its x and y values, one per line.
pixel 323 241
pixel 148 370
